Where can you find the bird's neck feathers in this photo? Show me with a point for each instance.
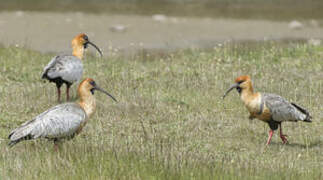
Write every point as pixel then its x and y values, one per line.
pixel 78 49
pixel 251 99
pixel 247 93
pixel 87 102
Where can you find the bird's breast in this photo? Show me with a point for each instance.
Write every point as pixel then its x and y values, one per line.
pixel 252 103
pixel 257 107
pixel 89 106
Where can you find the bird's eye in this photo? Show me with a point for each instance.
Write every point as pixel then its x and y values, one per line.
pixel 240 81
pixel 92 83
pixel 85 38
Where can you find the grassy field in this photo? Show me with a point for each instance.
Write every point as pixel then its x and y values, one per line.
pixel 254 9
pixel 170 121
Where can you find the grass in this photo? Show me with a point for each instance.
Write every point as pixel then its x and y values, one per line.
pixel 255 9
pixel 170 121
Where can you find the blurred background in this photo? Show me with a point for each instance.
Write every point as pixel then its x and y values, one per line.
pixel 125 26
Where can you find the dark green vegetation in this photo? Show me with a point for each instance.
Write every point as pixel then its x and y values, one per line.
pixel 170 121
pixel 268 9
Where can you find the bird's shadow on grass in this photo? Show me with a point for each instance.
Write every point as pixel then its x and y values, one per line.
pixel 313 144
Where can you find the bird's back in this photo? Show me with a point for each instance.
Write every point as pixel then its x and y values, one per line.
pixel 67 67
pixel 281 109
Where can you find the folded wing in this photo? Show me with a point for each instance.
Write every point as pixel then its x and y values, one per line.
pixel 58 122
pixel 282 110
pixel 67 67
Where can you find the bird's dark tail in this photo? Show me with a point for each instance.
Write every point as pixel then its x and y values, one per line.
pixel 12 143
pixel 14 140
pixel 304 111
pixel 44 75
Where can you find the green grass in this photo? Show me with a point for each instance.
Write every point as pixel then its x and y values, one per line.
pixel 170 121
pixel 255 9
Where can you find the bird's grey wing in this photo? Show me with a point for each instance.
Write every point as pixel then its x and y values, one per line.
pixel 67 67
pixel 59 121
pixel 281 109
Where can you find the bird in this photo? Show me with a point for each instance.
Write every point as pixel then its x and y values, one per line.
pixel 269 108
pixel 68 69
pixel 62 121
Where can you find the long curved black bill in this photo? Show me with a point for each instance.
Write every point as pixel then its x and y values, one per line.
pixel 230 89
pixel 92 44
pixel 99 89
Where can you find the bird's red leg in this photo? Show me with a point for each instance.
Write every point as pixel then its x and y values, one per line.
pixel 282 136
pixel 271 132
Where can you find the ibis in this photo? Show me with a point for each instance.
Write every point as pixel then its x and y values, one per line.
pixel 62 121
pixel 68 69
pixel 270 108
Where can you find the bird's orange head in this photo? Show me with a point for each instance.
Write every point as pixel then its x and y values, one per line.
pixel 87 88
pixel 242 83
pixel 81 42
pixel 242 79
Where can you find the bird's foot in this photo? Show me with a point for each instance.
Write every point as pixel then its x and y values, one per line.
pixel 284 139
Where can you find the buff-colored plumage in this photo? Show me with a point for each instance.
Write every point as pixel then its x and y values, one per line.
pixel 270 108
